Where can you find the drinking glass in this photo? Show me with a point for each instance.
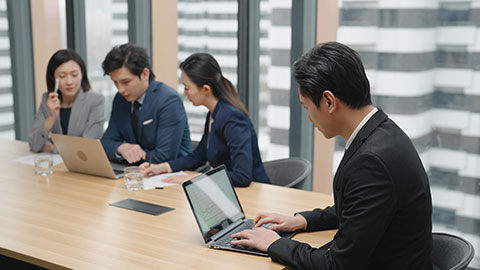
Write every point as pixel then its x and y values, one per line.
pixel 133 177
pixel 43 165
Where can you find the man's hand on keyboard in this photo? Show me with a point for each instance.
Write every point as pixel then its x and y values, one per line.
pixel 280 222
pixel 259 238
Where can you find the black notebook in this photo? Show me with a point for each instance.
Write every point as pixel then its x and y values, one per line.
pixel 144 207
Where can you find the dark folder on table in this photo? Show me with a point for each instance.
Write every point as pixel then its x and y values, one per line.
pixel 144 207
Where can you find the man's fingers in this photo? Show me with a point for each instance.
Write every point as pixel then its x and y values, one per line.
pixel 243 238
pixel 259 222
pixel 241 242
pixel 258 217
pixel 275 227
pixel 265 220
pixel 132 156
pixel 242 234
pixel 139 154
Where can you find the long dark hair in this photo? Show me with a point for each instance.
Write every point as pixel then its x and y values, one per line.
pixel 63 56
pixel 203 69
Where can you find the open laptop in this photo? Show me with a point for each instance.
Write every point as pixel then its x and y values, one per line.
pixel 217 210
pixel 86 156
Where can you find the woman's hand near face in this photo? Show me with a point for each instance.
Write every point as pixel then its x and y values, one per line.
pixel 53 104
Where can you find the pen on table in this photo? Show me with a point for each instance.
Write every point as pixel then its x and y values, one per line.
pixel 158 187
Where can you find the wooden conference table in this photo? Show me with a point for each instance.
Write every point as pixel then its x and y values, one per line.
pixel 65 221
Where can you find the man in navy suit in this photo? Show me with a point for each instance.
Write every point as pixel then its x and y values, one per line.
pixel 383 206
pixel 148 120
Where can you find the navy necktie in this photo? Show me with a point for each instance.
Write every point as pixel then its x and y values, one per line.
pixel 135 113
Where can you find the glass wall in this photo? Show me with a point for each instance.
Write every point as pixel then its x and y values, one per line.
pixel 423 62
pixel 274 91
pixel 207 26
pixel 7 128
pixel 106 26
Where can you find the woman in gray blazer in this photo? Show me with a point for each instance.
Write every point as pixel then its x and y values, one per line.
pixel 72 110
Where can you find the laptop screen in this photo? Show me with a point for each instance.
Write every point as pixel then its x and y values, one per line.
pixel 214 201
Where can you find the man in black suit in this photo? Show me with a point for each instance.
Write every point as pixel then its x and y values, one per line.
pixel 382 196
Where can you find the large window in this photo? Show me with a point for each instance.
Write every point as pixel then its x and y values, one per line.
pixel 423 64
pixel 274 90
pixel 7 129
pixel 212 26
pixel 106 26
pixel 207 26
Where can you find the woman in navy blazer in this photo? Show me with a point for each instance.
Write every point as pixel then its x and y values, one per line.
pixel 229 137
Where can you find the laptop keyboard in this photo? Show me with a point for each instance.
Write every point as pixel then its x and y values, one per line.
pixel 117 171
pixel 226 239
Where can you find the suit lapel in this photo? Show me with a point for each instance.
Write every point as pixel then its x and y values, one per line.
pixel 124 118
pixel 57 126
pixel 362 135
pixel 145 112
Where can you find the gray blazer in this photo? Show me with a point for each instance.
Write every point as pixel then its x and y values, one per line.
pixel 86 119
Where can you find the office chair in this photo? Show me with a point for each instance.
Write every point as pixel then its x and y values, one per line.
pixel 202 168
pixel 287 172
pixel 450 252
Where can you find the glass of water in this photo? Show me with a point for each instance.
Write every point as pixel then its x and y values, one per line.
pixel 133 177
pixel 44 165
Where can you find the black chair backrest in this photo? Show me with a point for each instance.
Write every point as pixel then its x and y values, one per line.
pixel 451 252
pixel 202 168
pixel 288 172
pixel 195 144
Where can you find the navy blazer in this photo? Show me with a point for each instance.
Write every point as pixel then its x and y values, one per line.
pixel 233 142
pixel 163 130
pixel 383 208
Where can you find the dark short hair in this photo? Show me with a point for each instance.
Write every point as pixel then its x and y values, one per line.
pixel 60 57
pixel 336 67
pixel 202 69
pixel 133 57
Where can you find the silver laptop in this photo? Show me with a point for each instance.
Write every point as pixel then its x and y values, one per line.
pixel 218 212
pixel 87 156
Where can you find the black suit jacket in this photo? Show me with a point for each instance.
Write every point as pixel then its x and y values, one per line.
pixel 382 208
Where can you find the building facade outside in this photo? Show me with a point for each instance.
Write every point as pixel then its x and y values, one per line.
pixel 423 62
pixel 7 128
pixel 422 59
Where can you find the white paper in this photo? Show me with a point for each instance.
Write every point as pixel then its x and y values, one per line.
pixel 30 159
pixel 157 180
